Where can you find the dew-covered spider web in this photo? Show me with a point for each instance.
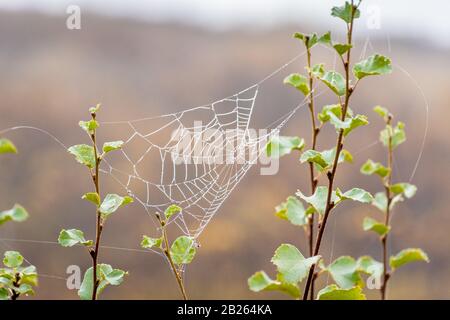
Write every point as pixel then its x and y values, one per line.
pixel 193 158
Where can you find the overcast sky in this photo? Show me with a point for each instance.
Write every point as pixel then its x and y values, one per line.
pixel 420 18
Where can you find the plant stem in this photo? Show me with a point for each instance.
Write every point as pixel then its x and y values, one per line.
pixel 315 131
pixel 339 146
pixel 99 227
pixel 15 294
pixel 166 251
pixel 387 184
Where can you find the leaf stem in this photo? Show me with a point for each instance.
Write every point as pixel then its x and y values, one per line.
pixel 339 146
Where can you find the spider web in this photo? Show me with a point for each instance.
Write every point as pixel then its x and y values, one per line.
pixel 193 158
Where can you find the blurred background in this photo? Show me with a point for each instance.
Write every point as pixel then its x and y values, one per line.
pixel 143 59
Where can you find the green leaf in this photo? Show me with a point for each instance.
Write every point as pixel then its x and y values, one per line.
pixel 260 281
pixel 17 214
pixel 315 157
pixel 115 277
pixel 372 66
pixel 342 48
pixel 325 38
pixel 111 146
pixel 310 40
pixel 335 81
pixel 382 112
pixel 318 70
pixel 299 82
pixel 92 197
pixel 102 270
pixel 349 124
pixel 371 167
pixel 370 224
pixel 281 145
pixel 344 271
pixel 346 156
pixel 4 294
pixel 12 259
pixel 324 115
pixel 406 189
pixel 148 242
pixel 406 256
pixel 171 210
pixel 338 123
pixel 333 292
pixel 330 154
pixel 84 154
pixel 29 275
pixel 7 277
pixel 355 194
pixel 109 276
pixel 86 288
pixel 293 211
pixel 380 201
pixel 291 264
pixel 356 121
pixel 370 266
pixel 324 160
pixel 346 12
pixel 300 36
pixel 319 199
pixel 25 289
pixel 105 274
pixel 6 146
pixel 112 202
pixel 183 250
pixel 397 135
pixel 89 126
pixel 94 110
pixel 71 237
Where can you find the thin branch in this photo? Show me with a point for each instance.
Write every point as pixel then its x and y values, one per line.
pixel 99 227
pixel 339 146
pixel 313 181
pixel 166 251
pixel 387 184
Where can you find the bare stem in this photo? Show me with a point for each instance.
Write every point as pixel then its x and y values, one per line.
pixel 339 146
